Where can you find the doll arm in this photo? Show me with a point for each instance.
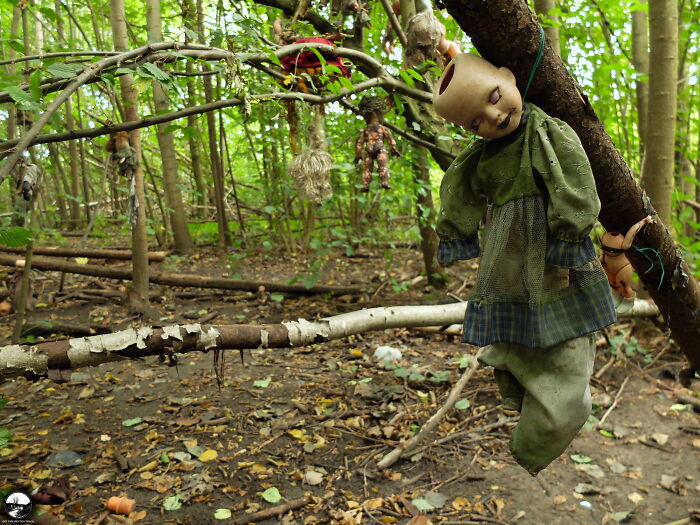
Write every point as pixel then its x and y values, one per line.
pixel 358 146
pixel 392 142
pixel 462 208
pixel 572 200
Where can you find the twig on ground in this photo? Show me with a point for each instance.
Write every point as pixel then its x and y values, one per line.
pixel 614 403
pixel 272 511
pixel 393 456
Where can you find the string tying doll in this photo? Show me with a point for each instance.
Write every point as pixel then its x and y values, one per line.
pixel 371 144
pixel 522 197
pixel 616 265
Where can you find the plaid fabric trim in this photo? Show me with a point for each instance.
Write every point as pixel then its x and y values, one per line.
pixel 576 312
pixel 568 254
pixel 453 250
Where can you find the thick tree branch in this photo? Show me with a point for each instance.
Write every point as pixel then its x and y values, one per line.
pixel 38 359
pixel 506 32
pixel 13 148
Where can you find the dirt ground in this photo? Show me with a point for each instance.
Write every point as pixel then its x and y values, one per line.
pixel 311 423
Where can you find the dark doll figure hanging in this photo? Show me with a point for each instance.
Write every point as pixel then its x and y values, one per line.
pixel 371 146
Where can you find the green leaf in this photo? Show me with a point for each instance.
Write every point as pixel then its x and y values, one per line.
pixel 14 236
pixel 173 502
pixel 262 383
pixel 606 433
pixel 415 74
pixel 580 458
pixel 401 372
pixel 23 99
pixel 17 46
pixel 61 70
pixel 164 458
pixel 222 514
pixel 48 13
pixel 320 57
pixel 132 422
pixel 5 436
pixel 3 401
pixel 422 505
pixel 272 495
pixel 277 297
pixel 463 404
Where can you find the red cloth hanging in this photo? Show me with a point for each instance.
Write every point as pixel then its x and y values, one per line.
pixel 308 59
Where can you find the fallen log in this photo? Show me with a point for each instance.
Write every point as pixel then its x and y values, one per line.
pixel 90 253
pixel 177 279
pixel 36 360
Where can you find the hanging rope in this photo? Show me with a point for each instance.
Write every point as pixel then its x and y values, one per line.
pixel 538 59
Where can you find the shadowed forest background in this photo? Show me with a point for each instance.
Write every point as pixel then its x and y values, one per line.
pixel 151 176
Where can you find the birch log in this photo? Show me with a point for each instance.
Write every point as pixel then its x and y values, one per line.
pixel 37 359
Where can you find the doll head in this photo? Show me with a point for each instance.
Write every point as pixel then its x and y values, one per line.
pixel 478 96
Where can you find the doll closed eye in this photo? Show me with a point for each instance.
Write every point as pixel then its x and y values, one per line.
pixel 495 96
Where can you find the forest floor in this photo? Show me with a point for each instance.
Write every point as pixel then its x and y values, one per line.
pixel 312 422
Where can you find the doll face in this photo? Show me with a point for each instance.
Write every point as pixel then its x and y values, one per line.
pixel 479 97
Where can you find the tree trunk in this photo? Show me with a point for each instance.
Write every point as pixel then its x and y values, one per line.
pixel 39 359
pixel 506 33
pixel 175 279
pixel 640 59
pixel 658 165
pixel 171 188
pixel 550 23
pixel 138 293
pixel 426 218
pixel 91 253
pixel 217 167
pixel 189 18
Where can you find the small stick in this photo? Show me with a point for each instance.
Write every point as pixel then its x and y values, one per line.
pixel 272 511
pixel 393 456
pixel 614 403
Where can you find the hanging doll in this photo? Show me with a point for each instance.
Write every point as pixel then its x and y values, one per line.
pixel 616 265
pixel 305 68
pixel 540 292
pixel 370 146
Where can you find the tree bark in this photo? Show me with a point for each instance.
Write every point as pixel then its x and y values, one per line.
pixel 39 358
pixel 426 216
pixel 658 165
pixel 640 59
pixel 171 187
pixel 174 279
pixel 92 253
pixel 138 293
pixel 551 25
pixel 506 33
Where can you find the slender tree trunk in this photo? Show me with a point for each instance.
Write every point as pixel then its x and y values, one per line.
pixel 551 23
pixel 506 33
pixel 59 180
pixel 658 165
pixel 171 187
pixel 426 218
pixel 216 164
pixel 138 292
pixel 640 59
pixel 189 17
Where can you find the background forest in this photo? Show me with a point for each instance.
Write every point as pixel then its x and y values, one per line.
pixel 222 177
pixel 174 131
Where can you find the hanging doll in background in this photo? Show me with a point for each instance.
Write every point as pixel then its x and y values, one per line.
pixel 370 146
pixel 122 155
pixel 25 175
pixel 540 293
pixel 616 265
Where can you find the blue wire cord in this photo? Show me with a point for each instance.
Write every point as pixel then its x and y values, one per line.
pixel 538 58
pixel 643 251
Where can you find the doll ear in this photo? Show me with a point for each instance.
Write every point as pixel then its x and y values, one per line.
pixel 507 73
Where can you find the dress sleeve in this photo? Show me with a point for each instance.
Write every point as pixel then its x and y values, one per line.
pixel 461 210
pixel 572 200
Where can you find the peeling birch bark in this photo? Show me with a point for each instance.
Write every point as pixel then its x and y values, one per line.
pixel 37 359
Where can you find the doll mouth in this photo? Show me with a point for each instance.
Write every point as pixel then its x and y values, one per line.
pixel 506 121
